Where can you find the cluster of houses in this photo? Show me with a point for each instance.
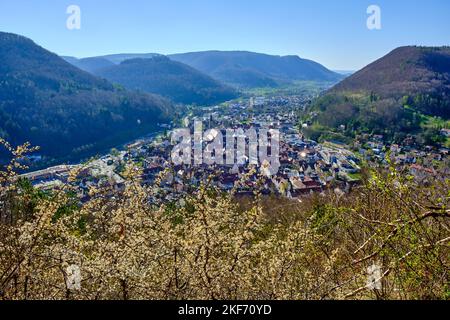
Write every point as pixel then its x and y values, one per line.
pixel 305 167
pixel 422 161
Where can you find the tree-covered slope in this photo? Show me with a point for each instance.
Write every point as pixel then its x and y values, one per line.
pixel 171 79
pixel 391 96
pixel 66 111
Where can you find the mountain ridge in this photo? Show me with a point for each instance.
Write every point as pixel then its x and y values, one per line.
pixel 90 65
pixel 243 69
pixel 251 69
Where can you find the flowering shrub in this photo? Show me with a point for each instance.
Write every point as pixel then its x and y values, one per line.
pixel 211 247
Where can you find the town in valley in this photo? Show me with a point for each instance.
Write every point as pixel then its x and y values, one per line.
pixel 306 167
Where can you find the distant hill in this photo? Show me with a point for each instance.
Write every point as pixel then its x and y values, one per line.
pixel 90 65
pixel 66 111
pixel 345 72
pixel 121 57
pixel 249 69
pixel 174 80
pixel 94 64
pixel 395 95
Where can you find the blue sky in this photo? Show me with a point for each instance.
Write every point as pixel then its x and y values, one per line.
pixel 332 32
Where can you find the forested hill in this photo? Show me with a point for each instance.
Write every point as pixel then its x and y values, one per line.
pixel 173 80
pixel 406 71
pixel 405 92
pixel 68 112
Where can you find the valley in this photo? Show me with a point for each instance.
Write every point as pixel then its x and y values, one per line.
pixel 307 167
pixel 329 133
pixel 215 152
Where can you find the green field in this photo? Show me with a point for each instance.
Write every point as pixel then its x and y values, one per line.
pixel 430 121
pixel 295 88
pixel 447 143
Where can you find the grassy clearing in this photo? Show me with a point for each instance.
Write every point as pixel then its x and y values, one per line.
pixel 295 88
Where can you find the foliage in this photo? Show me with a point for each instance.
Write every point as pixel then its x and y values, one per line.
pixel 211 248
